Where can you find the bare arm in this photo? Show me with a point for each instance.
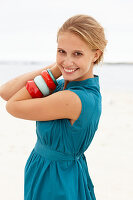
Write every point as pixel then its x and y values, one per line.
pixel 61 104
pixel 8 89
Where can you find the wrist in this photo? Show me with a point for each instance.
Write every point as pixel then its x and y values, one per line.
pixel 56 71
pixel 45 83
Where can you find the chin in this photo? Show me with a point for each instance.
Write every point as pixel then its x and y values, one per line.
pixel 68 79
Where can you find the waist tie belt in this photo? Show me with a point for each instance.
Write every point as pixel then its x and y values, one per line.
pixel 50 154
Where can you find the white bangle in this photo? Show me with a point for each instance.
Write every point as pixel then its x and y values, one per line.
pixel 42 86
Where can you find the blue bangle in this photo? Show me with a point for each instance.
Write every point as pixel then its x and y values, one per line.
pixel 53 78
pixel 42 86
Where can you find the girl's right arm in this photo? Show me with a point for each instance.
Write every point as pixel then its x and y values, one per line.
pixel 8 89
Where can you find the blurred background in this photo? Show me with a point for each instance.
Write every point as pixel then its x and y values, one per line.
pixel 28 31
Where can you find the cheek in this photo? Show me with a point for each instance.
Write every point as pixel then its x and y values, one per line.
pixel 58 59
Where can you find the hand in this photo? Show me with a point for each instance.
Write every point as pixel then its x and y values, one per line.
pixel 56 71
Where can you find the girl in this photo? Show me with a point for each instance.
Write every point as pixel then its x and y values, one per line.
pixel 66 111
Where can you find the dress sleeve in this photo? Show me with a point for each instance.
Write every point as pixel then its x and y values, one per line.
pixel 88 106
pixel 59 86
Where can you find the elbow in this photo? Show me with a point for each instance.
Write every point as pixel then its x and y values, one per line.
pixel 3 96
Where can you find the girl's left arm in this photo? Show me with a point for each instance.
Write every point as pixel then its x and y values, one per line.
pixel 58 105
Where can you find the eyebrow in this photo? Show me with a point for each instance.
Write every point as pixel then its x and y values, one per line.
pixel 73 50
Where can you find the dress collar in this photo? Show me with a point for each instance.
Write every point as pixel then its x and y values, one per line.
pixel 87 82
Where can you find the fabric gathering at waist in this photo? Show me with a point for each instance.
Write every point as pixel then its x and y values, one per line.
pixel 50 154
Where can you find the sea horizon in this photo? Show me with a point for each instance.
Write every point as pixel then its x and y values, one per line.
pixel 35 62
pixel 113 76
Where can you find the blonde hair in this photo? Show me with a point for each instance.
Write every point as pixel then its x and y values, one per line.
pixel 89 30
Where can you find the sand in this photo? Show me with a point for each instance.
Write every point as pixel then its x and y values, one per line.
pixel 109 157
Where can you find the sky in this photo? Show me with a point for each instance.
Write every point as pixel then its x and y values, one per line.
pixel 28 28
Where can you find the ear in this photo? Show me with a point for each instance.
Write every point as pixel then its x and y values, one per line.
pixel 97 54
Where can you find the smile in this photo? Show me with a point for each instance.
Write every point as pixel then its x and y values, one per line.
pixel 70 70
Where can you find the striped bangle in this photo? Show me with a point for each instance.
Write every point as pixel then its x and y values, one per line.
pixel 50 73
pixel 40 83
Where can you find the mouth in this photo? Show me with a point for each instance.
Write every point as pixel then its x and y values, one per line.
pixel 70 71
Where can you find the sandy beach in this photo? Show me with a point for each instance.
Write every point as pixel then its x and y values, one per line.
pixel 28 42
pixel 109 156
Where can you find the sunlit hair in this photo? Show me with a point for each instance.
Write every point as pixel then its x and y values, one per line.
pixel 89 31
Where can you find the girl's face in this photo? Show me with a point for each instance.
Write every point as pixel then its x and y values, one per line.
pixel 74 58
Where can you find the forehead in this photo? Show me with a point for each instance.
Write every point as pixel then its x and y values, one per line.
pixel 67 40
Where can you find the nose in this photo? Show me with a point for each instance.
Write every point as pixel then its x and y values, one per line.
pixel 68 61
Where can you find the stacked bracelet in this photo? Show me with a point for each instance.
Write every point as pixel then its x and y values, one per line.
pixel 48 79
pixel 50 73
pixel 42 84
pixel 33 89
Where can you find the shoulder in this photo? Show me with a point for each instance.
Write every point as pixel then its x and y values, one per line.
pixel 85 96
pixel 85 99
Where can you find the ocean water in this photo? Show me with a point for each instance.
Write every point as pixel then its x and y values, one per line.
pixel 116 77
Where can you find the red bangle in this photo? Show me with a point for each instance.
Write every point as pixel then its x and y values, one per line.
pixel 33 89
pixel 48 80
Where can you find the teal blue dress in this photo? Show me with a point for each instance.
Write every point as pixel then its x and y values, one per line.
pixel 57 168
